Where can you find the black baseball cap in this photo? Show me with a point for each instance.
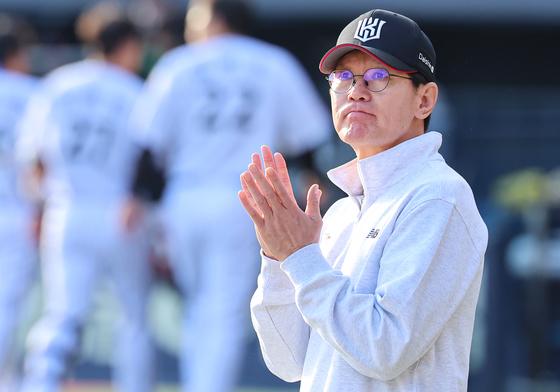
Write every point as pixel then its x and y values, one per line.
pixel 393 39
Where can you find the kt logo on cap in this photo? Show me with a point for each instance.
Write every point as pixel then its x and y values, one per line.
pixel 369 29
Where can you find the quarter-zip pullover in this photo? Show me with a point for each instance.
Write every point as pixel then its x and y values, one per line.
pixel 386 300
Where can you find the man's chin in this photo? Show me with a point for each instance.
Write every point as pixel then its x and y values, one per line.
pixel 356 134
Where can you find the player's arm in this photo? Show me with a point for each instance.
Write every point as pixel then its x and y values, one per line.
pixel 150 129
pixel 148 182
pixel 29 154
pixel 147 186
pixel 306 127
pixel 150 126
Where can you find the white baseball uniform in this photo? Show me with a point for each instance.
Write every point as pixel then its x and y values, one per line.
pixel 17 255
pixel 205 109
pixel 77 126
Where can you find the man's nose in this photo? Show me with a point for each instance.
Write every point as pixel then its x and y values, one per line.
pixel 359 91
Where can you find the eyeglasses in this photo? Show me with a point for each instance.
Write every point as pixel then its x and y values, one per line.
pixel 375 79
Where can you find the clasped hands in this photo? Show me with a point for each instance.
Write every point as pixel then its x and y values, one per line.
pixel 267 195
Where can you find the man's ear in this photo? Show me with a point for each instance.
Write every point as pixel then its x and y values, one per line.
pixel 427 98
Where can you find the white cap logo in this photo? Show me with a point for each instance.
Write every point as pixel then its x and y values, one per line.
pixel 369 29
pixel 425 61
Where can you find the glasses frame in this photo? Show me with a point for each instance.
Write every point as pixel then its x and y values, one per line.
pixel 327 78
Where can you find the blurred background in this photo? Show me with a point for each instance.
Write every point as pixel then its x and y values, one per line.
pixel 500 116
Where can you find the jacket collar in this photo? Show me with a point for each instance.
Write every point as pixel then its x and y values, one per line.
pixel 359 177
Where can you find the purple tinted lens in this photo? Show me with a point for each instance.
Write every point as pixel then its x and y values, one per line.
pixel 376 74
pixel 343 75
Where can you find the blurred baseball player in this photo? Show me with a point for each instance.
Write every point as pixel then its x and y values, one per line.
pixel 77 126
pixel 206 106
pixel 17 255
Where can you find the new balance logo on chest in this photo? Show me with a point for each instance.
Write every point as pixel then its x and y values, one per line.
pixel 373 233
pixel 369 29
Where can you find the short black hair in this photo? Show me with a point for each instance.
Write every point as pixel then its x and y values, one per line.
pixel 114 34
pixel 9 46
pixel 417 81
pixel 237 14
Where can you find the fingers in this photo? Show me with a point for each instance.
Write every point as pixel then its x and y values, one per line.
pixel 280 163
pixel 265 187
pixel 249 197
pixel 283 175
pixel 268 158
pixel 260 200
pixel 246 201
pixel 313 209
pixel 256 160
pixel 278 194
pixel 285 196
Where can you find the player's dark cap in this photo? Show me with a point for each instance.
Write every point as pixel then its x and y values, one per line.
pixel 393 39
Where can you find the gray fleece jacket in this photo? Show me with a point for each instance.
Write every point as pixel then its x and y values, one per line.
pixel 386 300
